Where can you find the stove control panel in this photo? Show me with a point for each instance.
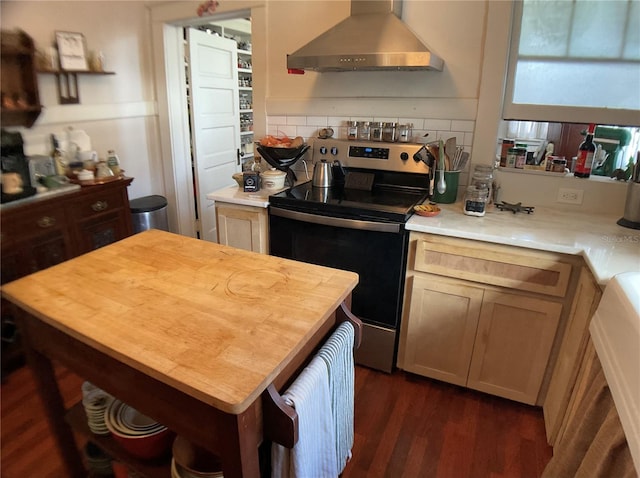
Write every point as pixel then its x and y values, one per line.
pixel 369 154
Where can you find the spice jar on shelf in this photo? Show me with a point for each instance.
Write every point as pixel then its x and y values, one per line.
pixel 389 132
pixel 376 131
pixel 364 131
pixel 405 132
pixel 352 130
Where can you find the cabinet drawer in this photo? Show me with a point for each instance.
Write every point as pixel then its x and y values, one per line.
pixel 504 266
pixel 104 201
pixel 17 227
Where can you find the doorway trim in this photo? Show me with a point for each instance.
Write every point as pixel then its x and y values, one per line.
pixel 167 22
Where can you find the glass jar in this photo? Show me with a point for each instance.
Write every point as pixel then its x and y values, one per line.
pixel 352 130
pixel 364 131
pixel 475 201
pixel 558 164
pixel 521 155
pixel 389 132
pixel 482 179
pixel 376 131
pixel 404 132
pixel 504 151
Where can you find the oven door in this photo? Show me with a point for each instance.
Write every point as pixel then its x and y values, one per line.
pixel 376 251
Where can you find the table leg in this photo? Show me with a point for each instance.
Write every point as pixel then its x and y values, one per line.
pixel 53 402
pixel 240 457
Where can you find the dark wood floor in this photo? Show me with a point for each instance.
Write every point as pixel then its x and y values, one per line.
pixel 406 426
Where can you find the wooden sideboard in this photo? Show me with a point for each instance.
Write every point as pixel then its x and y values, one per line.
pixel 41 233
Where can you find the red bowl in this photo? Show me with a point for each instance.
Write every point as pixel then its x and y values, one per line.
pixel 147 447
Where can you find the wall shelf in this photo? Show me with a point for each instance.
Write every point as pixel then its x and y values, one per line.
pixel 19 87
pixel 67 83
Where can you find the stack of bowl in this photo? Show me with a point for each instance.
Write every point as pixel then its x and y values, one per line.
pixel 95 401
pixel 98 463
pixel 192 461
pixel 138 434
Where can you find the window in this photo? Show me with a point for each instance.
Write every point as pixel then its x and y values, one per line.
pixel 575 59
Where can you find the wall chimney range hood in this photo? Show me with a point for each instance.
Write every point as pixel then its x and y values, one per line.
pixel 372 38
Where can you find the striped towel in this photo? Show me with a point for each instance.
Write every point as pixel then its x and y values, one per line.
pixel 314 456
pixel 337 353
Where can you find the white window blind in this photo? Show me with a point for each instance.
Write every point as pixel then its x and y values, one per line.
pixel 575 61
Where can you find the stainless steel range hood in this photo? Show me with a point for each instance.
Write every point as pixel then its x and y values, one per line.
pixel 372 38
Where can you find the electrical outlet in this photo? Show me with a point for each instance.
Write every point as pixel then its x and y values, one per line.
pixel 570 196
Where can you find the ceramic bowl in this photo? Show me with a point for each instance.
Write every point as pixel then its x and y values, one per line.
pixel 427 210
pixel 192 461
pixel 153 441
pixel 273 179
pixel 146 447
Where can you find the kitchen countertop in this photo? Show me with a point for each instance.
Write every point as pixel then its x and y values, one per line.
pixel 235 195
pixel 607 248
pixel 42 195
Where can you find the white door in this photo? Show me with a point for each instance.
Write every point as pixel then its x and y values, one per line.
pixel 215 120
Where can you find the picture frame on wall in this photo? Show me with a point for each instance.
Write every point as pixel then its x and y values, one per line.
pixel 72 51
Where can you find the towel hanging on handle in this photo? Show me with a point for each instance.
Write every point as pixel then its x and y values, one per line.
pixel 337 352
pixel 314 455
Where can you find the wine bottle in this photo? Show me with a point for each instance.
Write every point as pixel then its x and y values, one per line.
pixel 586 151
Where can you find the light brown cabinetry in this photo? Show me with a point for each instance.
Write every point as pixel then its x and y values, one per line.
pixel 482 315
pixel 244 227
pixel 572 351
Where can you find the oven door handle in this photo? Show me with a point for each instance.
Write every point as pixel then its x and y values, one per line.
pixel 335 221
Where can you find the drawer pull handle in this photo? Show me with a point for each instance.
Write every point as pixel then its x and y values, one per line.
pixel 46 221
pixel 99 206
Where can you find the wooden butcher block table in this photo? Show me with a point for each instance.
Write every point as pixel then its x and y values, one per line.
pixel 189 332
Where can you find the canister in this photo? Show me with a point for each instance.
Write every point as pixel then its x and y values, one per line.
pixel 376 131
pixel 521 155
pixel 511 157
pixel 482 179
pixel 475 201
pixel 352 130
pixel 389 132
pixel 558 164
pixel 506 145
pixel 404 132
pixel 363 131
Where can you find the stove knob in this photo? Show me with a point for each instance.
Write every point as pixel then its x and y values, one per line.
pixel 404 156
pixel 334 150
pixel 323 150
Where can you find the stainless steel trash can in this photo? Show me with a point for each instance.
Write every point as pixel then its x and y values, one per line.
pixel 149 212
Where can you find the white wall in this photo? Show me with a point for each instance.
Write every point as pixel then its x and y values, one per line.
pixel 116 111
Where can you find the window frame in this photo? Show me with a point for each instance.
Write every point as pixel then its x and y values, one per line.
pixel 559 114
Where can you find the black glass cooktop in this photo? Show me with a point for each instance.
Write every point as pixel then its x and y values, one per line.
pixel 382 203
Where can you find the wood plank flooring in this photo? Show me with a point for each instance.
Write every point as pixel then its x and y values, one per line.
pixel 405 426
pixel 409 426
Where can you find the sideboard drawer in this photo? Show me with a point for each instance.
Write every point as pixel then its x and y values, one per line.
pixel 100 202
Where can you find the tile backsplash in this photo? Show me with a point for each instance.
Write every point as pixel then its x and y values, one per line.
pixel 424 131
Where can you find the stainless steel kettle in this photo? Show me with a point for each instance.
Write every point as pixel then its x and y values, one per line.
pixel 322 174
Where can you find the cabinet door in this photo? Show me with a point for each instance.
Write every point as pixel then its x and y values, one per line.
pixel 99 231
pixel 244 227
pixel 441 328
pixel 99 217
pixel 32 240
pixel 515 336
pixel 572 350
